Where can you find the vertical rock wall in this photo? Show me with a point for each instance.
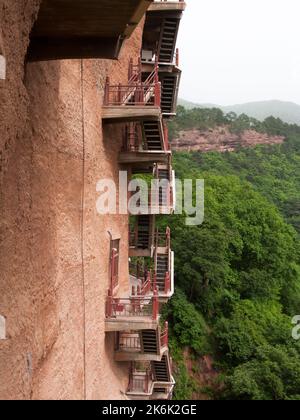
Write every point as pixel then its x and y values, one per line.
pixel 54 247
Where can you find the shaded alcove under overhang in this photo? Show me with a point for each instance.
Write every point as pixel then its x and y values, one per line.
pixel 67 29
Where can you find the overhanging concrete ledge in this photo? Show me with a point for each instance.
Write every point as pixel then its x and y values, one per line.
pixel 158 6
pixel 140 157
pixel 125 324
pixel 68 29
pixel 111 114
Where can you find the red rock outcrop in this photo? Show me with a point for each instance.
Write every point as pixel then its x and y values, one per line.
pixel 220 139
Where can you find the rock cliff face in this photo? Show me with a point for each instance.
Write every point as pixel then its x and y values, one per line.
pixel 220 139
pixel 54 247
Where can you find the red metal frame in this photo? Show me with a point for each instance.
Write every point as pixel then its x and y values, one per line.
pixel 136 382
pixel 164 337
pixel 135 72
pixel 146 286
pixel 135 92
pixel 129 341
pixel 114 278
pixel 155 307
pixel 177 57
pixel 134 306
pixel 166 136
pixel 167 282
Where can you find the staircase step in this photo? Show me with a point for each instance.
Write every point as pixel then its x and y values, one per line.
pixel 149 341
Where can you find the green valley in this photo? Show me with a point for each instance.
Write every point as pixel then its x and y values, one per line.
pixel 238 274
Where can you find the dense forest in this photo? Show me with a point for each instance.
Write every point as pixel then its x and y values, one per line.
pixel 238 274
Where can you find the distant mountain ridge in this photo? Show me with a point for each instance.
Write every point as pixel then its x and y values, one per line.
pixel 287 111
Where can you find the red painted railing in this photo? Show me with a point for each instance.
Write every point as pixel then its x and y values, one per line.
pixel 164 337
pixel 134 72
pixel 129 341
pixel 135 306
pixel 135 92
pixel 139 270
pixel 158 201
pixel 163 239
pixel 133 138
pixel 155 308
pixel 114 280
pixel 149 283
pixel 146 286
pixel 167 282
pixel 166 136
pixel 177 57
pixel 139 381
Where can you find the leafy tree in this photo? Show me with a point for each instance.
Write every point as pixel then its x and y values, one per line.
pixel 239 272
pixel 187 324
pixel 273 375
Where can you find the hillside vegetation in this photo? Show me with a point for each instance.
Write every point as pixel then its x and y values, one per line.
pixel 238 274
pixel 287 111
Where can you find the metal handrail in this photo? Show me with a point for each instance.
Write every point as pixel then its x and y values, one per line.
pixel 132 307
pixel 145 383
pixel 135 92
pixel 164 336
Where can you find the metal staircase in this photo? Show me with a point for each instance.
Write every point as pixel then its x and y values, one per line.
pixel 149 342
pixel 146 137
pixel 161 369
pixel 144 103
pixel 168 40
pixel 163 173
pixel 162 267
pixel 152 136
pixel 143 232
pixel 169 90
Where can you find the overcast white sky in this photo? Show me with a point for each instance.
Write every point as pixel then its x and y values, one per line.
pixel 236 51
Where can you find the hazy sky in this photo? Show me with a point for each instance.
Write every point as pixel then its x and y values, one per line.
pixel 235 51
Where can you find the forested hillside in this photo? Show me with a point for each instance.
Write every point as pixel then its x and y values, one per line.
pixel 238 275
pixel 287 111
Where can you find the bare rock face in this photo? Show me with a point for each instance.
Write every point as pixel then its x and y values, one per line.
pixel 221 139
pixel 54 247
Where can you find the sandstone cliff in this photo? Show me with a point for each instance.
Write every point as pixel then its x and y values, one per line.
pixel 54 247
pixel 220 139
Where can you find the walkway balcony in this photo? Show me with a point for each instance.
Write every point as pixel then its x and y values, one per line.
pixel 142 237
pixel 145 142
pixel 84 28
pixel 134 313
pixel 138 100
pixel 145 280
pixel 153 381
pixel 144 345
pixel 145 240
pixel 159 199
